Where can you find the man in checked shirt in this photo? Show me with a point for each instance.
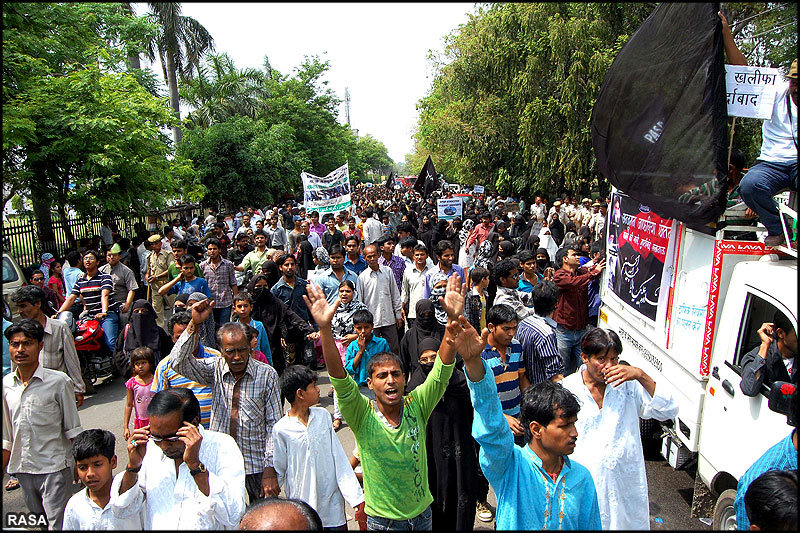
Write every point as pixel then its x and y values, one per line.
pixel 245 400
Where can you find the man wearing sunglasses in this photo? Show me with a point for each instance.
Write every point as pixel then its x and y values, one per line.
pixel 206 490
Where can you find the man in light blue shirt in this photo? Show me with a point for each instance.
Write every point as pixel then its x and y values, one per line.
pixel 331 278
pixel 537 485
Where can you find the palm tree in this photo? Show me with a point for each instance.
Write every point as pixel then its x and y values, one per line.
pixel 180 45
pixel 220 91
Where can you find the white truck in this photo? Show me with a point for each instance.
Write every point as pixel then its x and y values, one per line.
pixel 715 293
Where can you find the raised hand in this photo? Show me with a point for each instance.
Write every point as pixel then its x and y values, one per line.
pixel 320 309
pixel 462 336
pixel 453 299
pixel 137 446
pixel 201 311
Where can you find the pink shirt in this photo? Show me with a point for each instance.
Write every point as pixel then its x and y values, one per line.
pixel 141 397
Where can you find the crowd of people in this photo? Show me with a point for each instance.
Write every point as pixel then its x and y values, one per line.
pixel 462 353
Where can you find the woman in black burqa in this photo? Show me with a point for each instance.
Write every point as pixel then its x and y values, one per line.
pixel 279 321
pixel 141 330
pixel 452 458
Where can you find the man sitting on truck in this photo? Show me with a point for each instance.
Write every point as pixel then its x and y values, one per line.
pixel 773 360
pixel 776 169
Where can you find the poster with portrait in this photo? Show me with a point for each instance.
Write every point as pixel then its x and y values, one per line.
pixel 640 244
pixel 329 194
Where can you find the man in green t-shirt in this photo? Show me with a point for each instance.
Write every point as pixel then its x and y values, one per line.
pixel 390 430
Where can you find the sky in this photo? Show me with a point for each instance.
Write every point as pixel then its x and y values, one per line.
pixel 377 50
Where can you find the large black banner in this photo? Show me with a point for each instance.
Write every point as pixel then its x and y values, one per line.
pixel 659 126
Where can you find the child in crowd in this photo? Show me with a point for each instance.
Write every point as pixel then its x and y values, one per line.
pixel 310 461
pixel 361 351
pixel 255 353
pixel 242 309
pixel 187 281
pixel 143 363
pixel 475 304
pixel 93 450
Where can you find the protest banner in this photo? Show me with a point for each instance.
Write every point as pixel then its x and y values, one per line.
pixel 479 189
pixel 751 91
pixel 640 244
pixel 329 194
pixel 449 208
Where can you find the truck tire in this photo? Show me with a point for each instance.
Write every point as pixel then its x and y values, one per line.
pixel 724 513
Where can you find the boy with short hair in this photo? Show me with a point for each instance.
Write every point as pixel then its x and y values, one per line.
pixel 309 459
pixel 242 309
pixel 93 450
pixel 187 281
pixel 366 346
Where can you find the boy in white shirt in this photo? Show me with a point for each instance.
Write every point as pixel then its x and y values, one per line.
pixel 95 461
pixel 309 459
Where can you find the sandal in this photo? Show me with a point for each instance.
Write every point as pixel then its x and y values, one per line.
pixel 12 484
pixel 337 423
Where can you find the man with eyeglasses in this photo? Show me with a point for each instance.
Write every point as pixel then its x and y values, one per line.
pixel 245 402
pixel 206 490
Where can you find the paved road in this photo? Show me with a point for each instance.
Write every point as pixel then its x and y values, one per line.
pixel 670 490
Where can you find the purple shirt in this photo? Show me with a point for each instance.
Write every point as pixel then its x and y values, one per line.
pixel 398 266
pixel 318 228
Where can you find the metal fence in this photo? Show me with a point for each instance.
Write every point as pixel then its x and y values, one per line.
pixel 22 239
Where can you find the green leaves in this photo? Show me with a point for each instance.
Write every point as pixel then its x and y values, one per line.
pixel 512 98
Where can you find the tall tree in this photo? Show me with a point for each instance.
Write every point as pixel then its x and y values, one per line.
pixel 220 91
pixel 77 129
pixel 180 45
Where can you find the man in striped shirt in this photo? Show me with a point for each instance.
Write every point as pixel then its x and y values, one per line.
pixel 165 377
pixel 537 335
pixel 245 402
pixel 503 353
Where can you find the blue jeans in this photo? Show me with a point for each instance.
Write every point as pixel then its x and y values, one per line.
pixel 110 327
pixel 569 346
pixel 423 521
pixel 761 183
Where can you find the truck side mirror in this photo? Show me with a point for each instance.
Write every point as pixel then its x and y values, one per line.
pixel 781 396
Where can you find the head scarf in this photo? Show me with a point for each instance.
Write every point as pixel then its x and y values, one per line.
pixel 428 343
pixel 305 259
pixel 143 329
pixel 342 323
pixel 484 257
pixel 47 260
pixel 321 255
pixel 438 276
pixel 208 337
pixel 425 325
pixel 183 297
pixel 465 230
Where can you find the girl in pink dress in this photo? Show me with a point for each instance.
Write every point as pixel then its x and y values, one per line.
pixel 142 364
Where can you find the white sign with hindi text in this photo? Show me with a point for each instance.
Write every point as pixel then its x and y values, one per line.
pixel 751 91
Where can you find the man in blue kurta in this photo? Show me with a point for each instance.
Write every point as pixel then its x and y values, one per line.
pixel 537 485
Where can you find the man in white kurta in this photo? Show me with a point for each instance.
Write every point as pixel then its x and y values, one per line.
pixel 312 466
pixel 609 443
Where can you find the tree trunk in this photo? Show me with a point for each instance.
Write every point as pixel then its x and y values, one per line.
pixel 174 101
pixel 44 223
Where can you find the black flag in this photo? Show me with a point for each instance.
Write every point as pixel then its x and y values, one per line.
pixel 427 182
pixel 659 126
pixel 390 182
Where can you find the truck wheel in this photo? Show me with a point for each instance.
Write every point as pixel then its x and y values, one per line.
pixel 724 513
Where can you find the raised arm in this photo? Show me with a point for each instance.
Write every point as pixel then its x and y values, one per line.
pixel 181 356
pixel 733 55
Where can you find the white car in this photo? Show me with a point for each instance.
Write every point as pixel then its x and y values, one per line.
pixel 13 279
